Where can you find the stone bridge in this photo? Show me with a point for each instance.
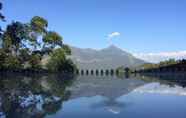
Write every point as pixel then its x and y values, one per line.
pixel 97 71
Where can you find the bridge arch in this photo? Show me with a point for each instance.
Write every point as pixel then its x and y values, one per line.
pixel 82 72
pixel 87 72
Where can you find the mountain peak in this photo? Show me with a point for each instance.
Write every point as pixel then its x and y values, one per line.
pixel 114 48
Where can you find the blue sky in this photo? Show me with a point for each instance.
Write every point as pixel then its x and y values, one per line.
pixel 141 25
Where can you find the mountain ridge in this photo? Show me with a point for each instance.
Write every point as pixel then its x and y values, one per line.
pixel 110 57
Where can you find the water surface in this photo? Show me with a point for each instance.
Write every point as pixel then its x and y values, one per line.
pixel 56 96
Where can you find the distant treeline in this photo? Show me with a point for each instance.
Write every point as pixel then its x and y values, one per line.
pixel 170 65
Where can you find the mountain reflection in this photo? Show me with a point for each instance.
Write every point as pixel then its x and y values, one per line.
pixel 111 105
pixel 110 87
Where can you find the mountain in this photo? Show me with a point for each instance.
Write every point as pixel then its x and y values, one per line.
pixel 107 58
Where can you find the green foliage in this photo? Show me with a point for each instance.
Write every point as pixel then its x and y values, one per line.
pixel 160 64
pixel 14 36
pixel 38 24
pixel 35 61
pixel 28 35
pixel 167 62
pixel 67 49
pixel 24 55
pixel 148 66
pixel 12 63
pixel 7 42
pixel 26 43
pixel 52 39
pixel 68 66
pixel 58 62
pixel 2 58
pixel 9 61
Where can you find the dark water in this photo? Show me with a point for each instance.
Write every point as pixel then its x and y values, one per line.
pixel 58 96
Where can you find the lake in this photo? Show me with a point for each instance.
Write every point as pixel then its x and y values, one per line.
pixel 57 96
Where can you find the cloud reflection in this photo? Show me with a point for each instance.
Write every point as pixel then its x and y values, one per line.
pixel 157 88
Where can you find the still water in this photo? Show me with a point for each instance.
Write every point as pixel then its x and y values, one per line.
pixel 57 96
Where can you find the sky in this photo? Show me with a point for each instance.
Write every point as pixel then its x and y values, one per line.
pixel 137 26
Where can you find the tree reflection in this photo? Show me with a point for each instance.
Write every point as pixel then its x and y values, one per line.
pixel 33 96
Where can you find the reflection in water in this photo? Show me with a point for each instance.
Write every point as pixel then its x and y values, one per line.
pixel 111 87
pixel 173 84
pixel 111 105
pixel 161 89
pixel 170 79
pixel 55 96
pixel 32 96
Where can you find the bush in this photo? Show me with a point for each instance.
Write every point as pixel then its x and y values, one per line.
pixel 59 63
pixel 2 58
pixel 12 63
pixel 35 61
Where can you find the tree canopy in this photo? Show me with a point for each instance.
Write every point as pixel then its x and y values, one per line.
pixel 27 43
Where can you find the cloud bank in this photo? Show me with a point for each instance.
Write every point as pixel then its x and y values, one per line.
pixel 157 57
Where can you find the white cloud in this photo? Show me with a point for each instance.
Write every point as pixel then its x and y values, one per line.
pixel 113 34
pixel 157 57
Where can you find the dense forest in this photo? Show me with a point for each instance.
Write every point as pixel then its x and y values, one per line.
pixel 31 46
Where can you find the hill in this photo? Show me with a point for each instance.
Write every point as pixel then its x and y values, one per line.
pixel 107 58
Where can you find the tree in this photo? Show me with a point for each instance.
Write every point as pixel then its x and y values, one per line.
pixel 57 60
pixel 24 55
pixel 12 63
pixel 27 35
pixel 167 62
pixel 2 58
pixel 34 61
pixel 68 66
pixel 29 42
pixel 13 37
pixel 38 24
pixel 66 49
pixel 51 40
